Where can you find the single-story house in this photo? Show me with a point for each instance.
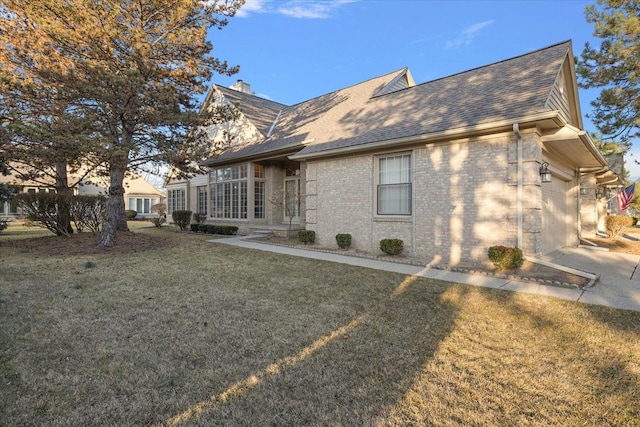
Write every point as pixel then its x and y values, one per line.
pixel 496 155
pixel 139 194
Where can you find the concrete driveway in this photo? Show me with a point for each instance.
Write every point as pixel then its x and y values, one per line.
pixel 618 284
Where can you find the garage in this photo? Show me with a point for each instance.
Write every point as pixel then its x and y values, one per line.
pixel 558 215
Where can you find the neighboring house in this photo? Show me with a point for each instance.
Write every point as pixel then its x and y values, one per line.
pixel 451 167
pixel 139 194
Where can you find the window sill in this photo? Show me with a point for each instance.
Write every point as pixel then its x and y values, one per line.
pixel 393 218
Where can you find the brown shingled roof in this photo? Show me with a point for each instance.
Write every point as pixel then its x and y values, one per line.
pixel 353 116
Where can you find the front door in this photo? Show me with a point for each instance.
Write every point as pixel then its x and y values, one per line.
pixel 292 197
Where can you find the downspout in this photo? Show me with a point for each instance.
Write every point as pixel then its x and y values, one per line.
pixel 579 204
pixel 516 131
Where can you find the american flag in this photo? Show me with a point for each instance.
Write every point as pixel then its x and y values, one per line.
pixel 625 196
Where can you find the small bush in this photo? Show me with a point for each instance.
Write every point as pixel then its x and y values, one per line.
pixel 212 229
pixel 199 218
pixel 505 258
pixel 202 228
pixel 306 236
pixel 87 212
pixel 195 227
pixel 391 246
pixel 227 230
pixel 3 225
pixel 616 224
pixel 49 210
pixel 181 218
pixel 130 214
pixel 158 220
pixel 343 240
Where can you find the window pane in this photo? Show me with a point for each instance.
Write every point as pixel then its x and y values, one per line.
pixel 394 199
pixel 235 200
pixel 243 199
pixel 258 171
pixel 132 204
pixel 146 206
pixel 258 202
pixel 394 185
pixel 227 200
pixel 139 205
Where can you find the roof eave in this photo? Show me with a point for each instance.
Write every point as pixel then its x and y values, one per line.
pixel 265 155
pixel 461 132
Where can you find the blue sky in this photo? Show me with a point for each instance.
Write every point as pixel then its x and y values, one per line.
pixel 291 51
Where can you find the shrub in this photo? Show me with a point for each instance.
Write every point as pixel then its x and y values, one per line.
pixel 199 218
pixel 202 228
pixel 343 240
pixel 306 236
pixel 48 210
pixel 181 218
pixel 227 230
pixel 391 246
pixel 130 214
pixel 505 258
pixel 616 224
pixel 87 212
pixel 158 220
pixel 212 229
pixel 3 225
pixel 195 227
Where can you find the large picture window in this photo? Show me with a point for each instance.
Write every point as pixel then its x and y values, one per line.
pixel 141 205
pixel 229 192
pixel 175 200
pixel 394 185
pixel 202 199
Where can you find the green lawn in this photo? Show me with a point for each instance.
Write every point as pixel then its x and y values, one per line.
pixel 199 333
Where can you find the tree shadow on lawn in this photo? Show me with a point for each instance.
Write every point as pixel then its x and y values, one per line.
pixel 585 365
pixel 350 375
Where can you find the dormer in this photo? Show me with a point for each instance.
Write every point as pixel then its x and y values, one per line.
pixel 403 80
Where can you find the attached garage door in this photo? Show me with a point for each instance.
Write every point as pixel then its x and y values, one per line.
pixel 558 215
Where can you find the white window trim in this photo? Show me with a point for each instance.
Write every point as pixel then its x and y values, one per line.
pixel 376 180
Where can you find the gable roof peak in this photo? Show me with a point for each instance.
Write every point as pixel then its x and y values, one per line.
pixel 403 80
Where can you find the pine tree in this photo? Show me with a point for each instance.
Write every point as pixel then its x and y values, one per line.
pixel 127 71
pixel 614 68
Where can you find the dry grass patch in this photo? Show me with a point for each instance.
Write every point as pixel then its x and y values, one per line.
pixel 194 333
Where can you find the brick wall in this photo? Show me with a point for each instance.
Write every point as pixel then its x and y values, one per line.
pixel 464 200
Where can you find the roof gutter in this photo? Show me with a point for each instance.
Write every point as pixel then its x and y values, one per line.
pixel 450 133
pixel 258 156
pixel 591 146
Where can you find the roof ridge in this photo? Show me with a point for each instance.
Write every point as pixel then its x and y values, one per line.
pixel 494 63
pixel 350 86
pixel 244 94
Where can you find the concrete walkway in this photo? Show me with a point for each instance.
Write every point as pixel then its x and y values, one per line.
pixel 618 285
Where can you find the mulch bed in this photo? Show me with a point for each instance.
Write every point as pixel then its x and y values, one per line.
pixel 85 244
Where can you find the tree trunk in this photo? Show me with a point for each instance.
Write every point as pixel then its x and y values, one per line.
pixel 65 193
pixel 114 218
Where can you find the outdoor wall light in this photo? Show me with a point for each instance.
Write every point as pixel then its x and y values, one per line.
pixel 545 173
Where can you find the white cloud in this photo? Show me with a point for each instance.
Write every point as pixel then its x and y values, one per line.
pixel 301 9
pixel 467 35
pixel 251 6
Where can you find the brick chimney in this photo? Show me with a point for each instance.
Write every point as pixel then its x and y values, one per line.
pixel 241 86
